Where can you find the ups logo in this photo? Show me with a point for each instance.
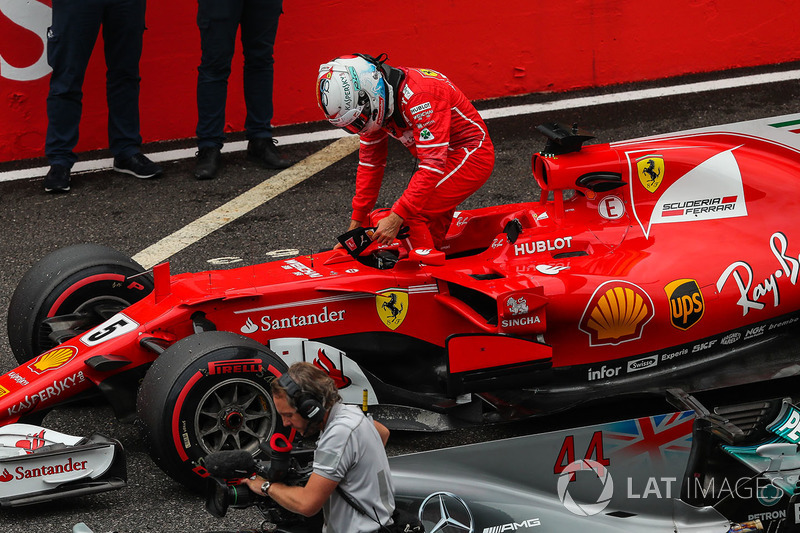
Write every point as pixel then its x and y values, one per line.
pixel 686 303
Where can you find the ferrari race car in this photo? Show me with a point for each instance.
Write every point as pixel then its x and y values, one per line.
pixel 667 261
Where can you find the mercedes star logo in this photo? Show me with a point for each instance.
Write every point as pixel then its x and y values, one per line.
pixel 447 512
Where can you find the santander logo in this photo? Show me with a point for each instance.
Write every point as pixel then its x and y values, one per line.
pixel 21 472
pixel 30 22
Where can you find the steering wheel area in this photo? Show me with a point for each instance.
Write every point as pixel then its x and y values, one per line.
pixel 359 244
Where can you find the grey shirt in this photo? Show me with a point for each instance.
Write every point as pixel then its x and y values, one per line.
pixel 350 451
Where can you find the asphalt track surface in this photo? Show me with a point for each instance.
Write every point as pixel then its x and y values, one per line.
pixel 145 218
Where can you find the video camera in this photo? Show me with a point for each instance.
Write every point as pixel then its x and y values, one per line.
pixel 228 468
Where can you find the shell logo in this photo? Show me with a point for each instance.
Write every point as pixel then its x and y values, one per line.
pixel 616 313
pixel 53 359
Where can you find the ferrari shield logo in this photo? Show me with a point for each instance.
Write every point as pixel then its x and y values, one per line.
pixel 430 73
pixel 651 171
pixel 392 308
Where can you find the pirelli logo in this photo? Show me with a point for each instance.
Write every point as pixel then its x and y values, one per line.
pixel 235 366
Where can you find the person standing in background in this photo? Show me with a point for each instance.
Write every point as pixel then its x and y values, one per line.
pixel 70 41
pixel 219 22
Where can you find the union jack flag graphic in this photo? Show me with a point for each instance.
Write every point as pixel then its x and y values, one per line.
pixel 650 438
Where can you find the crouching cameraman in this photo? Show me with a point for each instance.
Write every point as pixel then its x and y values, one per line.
pixel 351 482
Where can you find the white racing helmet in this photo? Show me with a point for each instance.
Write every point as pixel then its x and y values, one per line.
pixel 353 95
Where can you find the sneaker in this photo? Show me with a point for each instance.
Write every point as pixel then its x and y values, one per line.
pixel 137 165
pixel 207 163
pixel 263 151
pixel 57 179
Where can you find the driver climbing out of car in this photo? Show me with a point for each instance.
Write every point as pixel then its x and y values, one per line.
pixel 350 461
pixel 425 111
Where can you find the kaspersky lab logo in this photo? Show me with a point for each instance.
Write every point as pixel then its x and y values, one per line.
pixel 591 508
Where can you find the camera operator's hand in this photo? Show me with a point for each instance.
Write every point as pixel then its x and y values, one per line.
pixel 256 484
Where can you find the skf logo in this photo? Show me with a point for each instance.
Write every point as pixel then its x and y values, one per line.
pixel 53 359
pixel 392 307
pixel 686 303
pixel 651 171
pixel 616 313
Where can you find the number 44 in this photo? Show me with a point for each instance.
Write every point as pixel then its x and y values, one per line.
pixel 594 451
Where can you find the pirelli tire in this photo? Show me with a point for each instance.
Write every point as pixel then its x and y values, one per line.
pixel 207 392
pixel 72 289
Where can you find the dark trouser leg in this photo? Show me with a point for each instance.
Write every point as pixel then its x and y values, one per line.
pixel 70 41
pixel 259 27
pixel 123 27
pixel 218 22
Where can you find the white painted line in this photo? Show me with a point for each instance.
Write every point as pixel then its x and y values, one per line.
pixel 488 114
pixel 171 155
pixel 642 94
pixel 246 202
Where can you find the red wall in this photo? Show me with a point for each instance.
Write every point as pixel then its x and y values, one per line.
pixel 489 49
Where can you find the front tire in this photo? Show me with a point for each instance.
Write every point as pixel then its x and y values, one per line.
pixel 68 292
pixel 208 392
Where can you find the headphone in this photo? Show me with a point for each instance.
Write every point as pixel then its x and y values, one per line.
pixel 306 403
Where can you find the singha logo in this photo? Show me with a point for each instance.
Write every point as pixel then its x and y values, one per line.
pixel 518 306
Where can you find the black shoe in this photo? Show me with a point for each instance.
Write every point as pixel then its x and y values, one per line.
pixel 263 151
pixel 57 179
pixel 207 163
pixel 137 165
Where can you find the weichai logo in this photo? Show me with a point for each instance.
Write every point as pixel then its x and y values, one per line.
pixel 686 304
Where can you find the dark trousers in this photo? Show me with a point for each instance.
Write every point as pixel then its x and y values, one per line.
pixel 218 22
pixel 70 40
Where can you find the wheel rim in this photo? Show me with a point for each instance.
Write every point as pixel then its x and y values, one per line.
pixel 234 414
pixel 87 315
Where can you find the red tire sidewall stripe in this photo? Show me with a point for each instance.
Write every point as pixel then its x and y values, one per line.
pixel 79 285
pixel 176 415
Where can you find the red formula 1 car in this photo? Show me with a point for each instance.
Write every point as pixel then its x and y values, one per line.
pixel 665 261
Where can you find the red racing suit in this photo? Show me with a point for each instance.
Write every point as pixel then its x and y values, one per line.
pixel 445 132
